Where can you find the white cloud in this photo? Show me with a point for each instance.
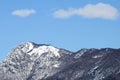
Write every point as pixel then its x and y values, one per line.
pixel 64 13
pixel 100 10
pixel 23 12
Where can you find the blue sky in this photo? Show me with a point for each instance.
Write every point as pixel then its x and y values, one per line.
pixel 65 24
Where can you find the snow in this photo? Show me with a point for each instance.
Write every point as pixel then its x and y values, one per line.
pixel 95 67
pixel 41 49
pixel 78 55
pixel 56 65
pixel 30 46
pixel 92 70
pixel 97 56
pixel 26 47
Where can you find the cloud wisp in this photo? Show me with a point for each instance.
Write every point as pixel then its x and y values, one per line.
pixel 23 12
pixel 100 10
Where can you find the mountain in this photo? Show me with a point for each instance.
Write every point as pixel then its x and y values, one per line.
pixel 31 61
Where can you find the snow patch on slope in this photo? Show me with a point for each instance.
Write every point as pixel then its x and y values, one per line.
pixel 27 47
pixel 97 56
pixel 56 65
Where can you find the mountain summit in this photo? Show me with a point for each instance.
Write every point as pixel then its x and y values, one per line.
pixel 32 49
pixel 31 61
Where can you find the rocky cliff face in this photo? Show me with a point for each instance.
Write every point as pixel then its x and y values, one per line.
pixel 30 61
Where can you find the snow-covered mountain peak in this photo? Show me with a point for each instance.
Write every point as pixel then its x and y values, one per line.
pixel 38 49
pixel 45 49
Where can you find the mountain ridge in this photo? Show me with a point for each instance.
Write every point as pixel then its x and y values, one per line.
pixel 31 61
